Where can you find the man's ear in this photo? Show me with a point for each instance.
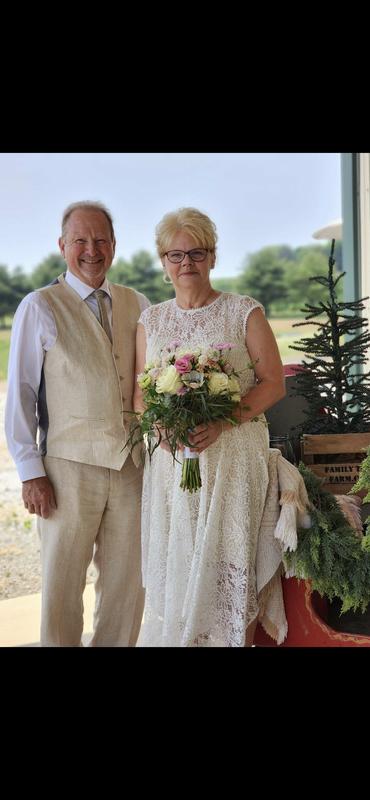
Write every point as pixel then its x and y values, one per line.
pixel 61 246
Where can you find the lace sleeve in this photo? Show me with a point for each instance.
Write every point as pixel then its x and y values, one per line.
pixel 145 316
pixel 248 304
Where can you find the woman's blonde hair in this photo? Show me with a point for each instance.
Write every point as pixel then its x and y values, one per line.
pixel 194 222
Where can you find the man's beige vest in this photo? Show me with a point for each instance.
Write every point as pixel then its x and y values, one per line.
pixel 89 382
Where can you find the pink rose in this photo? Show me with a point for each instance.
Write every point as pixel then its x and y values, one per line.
pixel 183 364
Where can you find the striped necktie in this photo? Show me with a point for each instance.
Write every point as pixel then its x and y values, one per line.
pixel 103 315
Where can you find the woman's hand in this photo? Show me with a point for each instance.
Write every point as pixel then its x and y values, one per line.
pixel 205 435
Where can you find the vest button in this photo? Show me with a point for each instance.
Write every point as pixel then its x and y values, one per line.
pixel 116 356
pixel 121 377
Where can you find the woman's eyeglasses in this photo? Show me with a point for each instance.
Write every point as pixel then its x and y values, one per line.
pixel 176 256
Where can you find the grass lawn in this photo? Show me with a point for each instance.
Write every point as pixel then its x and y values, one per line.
pixel 287 335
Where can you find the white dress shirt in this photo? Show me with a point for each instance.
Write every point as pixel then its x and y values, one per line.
pixel 33 334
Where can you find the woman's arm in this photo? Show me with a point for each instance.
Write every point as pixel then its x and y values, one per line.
pixel 263 350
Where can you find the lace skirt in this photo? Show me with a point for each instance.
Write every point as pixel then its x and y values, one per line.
pixel 199 550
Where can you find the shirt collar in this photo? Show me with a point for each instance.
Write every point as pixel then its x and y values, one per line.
pixel 82 289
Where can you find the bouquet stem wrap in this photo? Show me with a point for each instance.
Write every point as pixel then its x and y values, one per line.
pixel 190 476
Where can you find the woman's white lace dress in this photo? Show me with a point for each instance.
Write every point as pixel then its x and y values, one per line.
pixel 199 550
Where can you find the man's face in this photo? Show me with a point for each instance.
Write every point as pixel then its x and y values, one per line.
pixel 87 246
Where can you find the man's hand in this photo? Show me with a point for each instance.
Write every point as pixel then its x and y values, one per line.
pixel 38 497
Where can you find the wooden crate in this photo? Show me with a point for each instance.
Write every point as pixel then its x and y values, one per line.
pixel 344 452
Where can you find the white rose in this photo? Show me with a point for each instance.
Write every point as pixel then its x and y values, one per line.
pixel 234 388
pixel 169 381
pixel 144 380
pixel 218 383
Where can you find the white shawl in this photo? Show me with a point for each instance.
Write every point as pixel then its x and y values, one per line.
pixel 286 507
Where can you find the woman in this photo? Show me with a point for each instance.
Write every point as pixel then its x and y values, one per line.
pixel 199 551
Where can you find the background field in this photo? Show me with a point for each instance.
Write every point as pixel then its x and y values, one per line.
pixel 282 328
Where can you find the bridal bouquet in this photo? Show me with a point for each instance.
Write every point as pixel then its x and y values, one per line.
pixel 186 386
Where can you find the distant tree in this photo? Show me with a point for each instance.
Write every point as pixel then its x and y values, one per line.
pixel 141 274
pixel 324 250
pixel 48 270
pixel 263 276
pixel 7 302
pixel 312 263
pixel 13 287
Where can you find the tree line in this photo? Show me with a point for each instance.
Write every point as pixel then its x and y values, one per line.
pixel 277 276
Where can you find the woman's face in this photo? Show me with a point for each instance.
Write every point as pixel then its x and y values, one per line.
pixel 189 273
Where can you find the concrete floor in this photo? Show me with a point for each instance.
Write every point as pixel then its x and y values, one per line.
pixel 20 619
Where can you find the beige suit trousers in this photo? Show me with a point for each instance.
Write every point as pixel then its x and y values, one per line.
pixel 98 515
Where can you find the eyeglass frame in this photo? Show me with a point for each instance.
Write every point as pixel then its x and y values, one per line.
pixel 188 253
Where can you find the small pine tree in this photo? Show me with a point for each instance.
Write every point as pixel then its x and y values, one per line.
pixel 332 379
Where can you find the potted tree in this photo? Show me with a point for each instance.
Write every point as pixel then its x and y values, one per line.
pixel 336 386
pixel 332 555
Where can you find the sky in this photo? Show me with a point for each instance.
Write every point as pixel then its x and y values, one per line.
pixel 255 199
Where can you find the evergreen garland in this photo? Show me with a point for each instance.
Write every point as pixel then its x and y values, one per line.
pixel 363 483
pixel 329 554
pixel 333 378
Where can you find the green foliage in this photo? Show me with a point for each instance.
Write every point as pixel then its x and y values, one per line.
pixel 263 276
pixel 363 484
pixel 13 288
pixel 141 274
pixel 278 277
pixel 177 414
pixel 363 481
pixel 225 284
pixel 333 377
pixel 48 270
pixel 329 553
pixel 274 275
pixel 313 263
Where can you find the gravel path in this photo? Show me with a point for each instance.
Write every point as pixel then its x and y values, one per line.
pixel 20 571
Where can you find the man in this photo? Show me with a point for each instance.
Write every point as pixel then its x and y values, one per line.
pixel 71 378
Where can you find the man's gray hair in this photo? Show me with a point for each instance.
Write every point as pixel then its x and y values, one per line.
pixel 87 205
